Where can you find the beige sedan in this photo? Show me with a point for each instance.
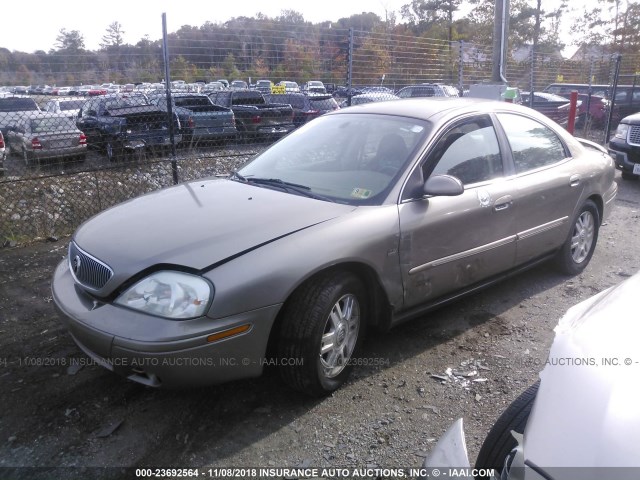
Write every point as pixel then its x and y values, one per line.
pixel 362 218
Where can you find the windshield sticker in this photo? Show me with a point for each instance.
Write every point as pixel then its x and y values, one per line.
pixel 361 193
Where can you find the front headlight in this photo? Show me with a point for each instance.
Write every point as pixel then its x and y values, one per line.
pixel 174 295
pixel 622 131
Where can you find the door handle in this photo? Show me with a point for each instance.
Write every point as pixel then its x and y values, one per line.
pixel 502 203
pixel 574 181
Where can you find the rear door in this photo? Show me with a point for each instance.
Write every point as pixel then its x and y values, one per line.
pixel 547 183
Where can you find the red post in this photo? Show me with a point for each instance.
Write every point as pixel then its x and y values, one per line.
pixel 573 106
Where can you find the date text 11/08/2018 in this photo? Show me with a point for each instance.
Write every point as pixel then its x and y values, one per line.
pixel 347 473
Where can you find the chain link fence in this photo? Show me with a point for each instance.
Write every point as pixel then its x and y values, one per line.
pixel 113 128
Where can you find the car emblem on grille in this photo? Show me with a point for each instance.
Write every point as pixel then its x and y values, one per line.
pixel 75 264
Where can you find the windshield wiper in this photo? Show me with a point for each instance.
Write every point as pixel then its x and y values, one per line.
pixel 281 184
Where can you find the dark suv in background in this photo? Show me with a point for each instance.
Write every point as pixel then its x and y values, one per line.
pixel 624 146
pixel 305 106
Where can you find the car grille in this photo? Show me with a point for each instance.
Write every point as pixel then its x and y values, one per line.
pixel 634 135
pixel 87 270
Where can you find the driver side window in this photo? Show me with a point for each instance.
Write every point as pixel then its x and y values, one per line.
pixel 469 150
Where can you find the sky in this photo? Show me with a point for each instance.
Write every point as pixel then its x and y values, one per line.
pixel 36 27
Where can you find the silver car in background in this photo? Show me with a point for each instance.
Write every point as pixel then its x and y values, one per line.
pixel 67 106
pixel 362 218
pixel 39 135
pixel 581 420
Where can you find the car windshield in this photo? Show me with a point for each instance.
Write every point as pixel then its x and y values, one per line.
pixel 52 124
pixel 352 159
pixel 71 105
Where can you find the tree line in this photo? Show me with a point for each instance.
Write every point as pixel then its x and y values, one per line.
pixel 289 46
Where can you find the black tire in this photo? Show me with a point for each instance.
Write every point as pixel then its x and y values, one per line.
pixel 499 442
pixel 578 248
pixel 113 151
pixel 309 316
pixel 27 159
pixel 628 176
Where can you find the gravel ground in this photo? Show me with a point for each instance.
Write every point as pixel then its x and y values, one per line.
pixel 59 411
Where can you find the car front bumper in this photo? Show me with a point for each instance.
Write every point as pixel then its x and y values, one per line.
pixel 625 156
pixel 160 352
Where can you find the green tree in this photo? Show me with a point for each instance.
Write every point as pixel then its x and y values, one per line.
pixel 70 41
pixel 113 37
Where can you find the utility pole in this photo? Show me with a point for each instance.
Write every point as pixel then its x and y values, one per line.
pixel 500 36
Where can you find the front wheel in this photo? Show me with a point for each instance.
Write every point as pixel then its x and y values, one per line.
pixel 322 328
pixel 578 249
pixel 499 442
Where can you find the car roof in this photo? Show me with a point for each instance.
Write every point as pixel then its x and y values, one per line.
pixel 34 114
pixel 435 107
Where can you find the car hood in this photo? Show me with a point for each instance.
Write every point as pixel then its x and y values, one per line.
pixel 197 225
pixel 585 413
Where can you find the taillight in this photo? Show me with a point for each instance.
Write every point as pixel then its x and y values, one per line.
pixel 83 139
pixel 1 141
pixel 256 119
pixel 191 123
pixel 35 144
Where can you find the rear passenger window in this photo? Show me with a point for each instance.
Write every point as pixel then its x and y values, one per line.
pixel 533 144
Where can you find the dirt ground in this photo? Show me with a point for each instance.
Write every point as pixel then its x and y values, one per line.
pixel 56 412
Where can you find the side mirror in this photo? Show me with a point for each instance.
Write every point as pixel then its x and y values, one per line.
pixel 443 186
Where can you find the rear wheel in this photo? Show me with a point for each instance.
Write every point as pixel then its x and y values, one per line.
pixel 499 442
pixel 113 152
pixel 323 326
pixel 25 156
pixel 577 250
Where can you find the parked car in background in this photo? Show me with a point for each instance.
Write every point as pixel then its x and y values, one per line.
pixel 369 98
pixel 238 85
pixel 68 106
pixel 126 123
pixel 96 90
pixel 428 90
pixel 362 218
pixel 61 91
pixel 12 108
pixel 553 106
pixel 314 86
pixel 264 86
pixel 83 90
pixel 305 107
pixel 256 118
pixel 580 420
pixel 212 87
pixel 626 101
pixel 289 86
pixel 624 146
pixel 40 135
pixel 3 153
pixel 200 119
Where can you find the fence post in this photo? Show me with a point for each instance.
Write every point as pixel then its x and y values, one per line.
pixel 532 79
pixel 167 86
pixel 350 67
pixel 616 73
pixel 461 69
